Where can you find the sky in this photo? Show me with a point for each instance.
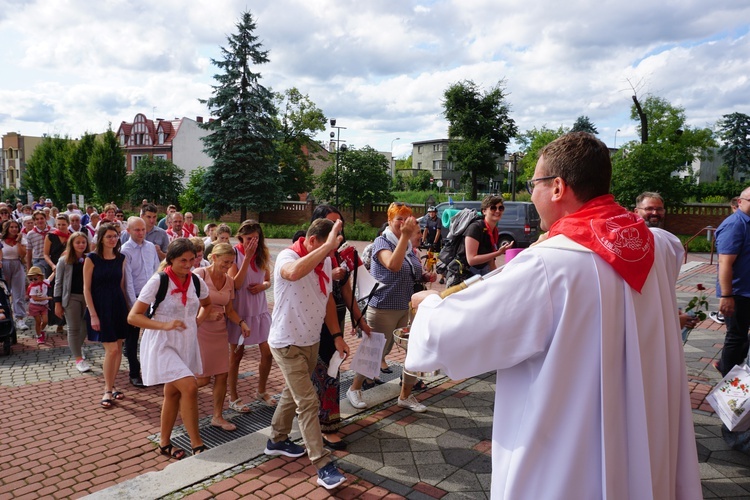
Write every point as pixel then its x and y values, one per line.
pixel 379 67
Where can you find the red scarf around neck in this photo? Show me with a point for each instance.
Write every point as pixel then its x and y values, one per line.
pixel 241 249
pixel 181 287
pixel 44 232
pixel 619 237
pixel 63 235
pixel 494 234
pixel 323 278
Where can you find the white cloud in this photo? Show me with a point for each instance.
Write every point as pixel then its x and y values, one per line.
pixel 380 68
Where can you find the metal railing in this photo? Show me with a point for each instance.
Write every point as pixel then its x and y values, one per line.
pixel 709 230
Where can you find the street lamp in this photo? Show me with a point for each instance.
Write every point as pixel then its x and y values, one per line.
pixel 615 146
pixel 337 135
pixel 513 165
pixel 393 161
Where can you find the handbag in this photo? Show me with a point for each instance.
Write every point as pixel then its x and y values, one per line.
pixel 730 398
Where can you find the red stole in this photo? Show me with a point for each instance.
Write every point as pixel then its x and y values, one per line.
pixel 323 278
pixel 619 237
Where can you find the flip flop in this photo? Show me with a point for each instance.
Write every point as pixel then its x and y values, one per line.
pixel 226 426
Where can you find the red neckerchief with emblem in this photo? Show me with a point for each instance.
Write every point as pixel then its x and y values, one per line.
pixel 619 237
pixel 323 278
pixel 493 233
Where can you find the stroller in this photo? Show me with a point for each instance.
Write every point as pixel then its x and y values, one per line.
pixel 7 325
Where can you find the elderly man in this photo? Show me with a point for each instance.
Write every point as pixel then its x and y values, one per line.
pixel 733 246
pixel 154 234
pixel 592 398
pixel 141 262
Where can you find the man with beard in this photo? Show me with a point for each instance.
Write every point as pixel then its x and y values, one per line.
pixel 650 207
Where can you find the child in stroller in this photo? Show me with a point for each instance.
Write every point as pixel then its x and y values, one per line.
pixel 7 326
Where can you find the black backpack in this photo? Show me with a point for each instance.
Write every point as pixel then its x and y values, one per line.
pixel 452 258
pixel 162 292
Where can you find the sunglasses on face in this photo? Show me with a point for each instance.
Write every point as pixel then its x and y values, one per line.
pixel 497 208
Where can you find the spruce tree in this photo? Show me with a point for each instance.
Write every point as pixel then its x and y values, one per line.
pixel 245 171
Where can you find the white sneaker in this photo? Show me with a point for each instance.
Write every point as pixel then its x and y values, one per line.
pixel 21 324
pixel 83 366
pixel 412 403
pixel 355 398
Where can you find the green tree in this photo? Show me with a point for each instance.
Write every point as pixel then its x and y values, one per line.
pixel 363 178
pixel 420 181
pixel 107 170
pixel 479 129
pixel 45 170
pixel 531 142
pixel 78 166
pixel 155 179
pixel 242 141
pixel 734 131
pixel 191 199
pixel 404 163
pixel 584 124
pixel 670 148
pixel 298 121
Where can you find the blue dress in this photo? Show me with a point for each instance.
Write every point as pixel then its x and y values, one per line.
pixel 109 300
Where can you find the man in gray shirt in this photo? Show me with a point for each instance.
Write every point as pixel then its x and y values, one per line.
pixel 154 234
pixel 141 262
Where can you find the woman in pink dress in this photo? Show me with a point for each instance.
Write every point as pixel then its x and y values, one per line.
pixel 252 277
pixel 212 332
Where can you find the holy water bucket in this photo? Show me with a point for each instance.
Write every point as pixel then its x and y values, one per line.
pixel 401 339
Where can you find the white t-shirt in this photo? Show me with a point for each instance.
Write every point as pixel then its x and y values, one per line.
pixel 299 306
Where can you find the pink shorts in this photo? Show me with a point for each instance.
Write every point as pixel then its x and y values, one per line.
pixel 37 310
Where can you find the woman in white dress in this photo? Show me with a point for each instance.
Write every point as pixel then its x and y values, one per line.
pixel 169 347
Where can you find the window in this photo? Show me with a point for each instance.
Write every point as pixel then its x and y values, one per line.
pixel 419 165
pixel 163 157
pixel 436 147
pixel 161 136
pixel 134 161
pixel 419 149
pixel 122 138
pixel 436 165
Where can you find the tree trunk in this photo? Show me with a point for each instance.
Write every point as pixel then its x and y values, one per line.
pixel 474 186
pixel 644 122
pixel 243 214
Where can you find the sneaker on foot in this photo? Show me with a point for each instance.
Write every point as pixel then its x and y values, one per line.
pixel 717 317
pixel 286 448
pixel 41 339
pixel 21 324
pixel 355 398
pixel 329 477
pixel 83 366
pixel 412 403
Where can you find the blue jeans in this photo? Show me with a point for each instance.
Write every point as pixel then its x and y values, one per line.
pixel 736 342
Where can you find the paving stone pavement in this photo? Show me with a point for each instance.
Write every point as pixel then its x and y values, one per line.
pixel 57 442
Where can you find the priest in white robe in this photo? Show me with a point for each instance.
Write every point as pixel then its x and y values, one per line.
pixel 591 394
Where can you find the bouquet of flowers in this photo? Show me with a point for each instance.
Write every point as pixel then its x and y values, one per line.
pixel 696 308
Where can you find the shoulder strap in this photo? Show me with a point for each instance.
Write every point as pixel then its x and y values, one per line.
pixel 160 294
pixel 197 285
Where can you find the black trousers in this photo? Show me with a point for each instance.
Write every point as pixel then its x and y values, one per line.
pixel 131 350
pixel 736 340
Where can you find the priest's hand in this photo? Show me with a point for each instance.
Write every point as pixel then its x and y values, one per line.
pixel 418 297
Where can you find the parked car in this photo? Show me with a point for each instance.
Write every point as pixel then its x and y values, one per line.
pixel 519 223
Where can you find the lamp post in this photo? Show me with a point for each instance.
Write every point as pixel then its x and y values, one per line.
pixel 337 135
pixel 615 146
pixel 512 173
pixel 393 161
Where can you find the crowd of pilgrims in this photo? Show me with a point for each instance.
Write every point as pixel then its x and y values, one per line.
pixel 194 303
